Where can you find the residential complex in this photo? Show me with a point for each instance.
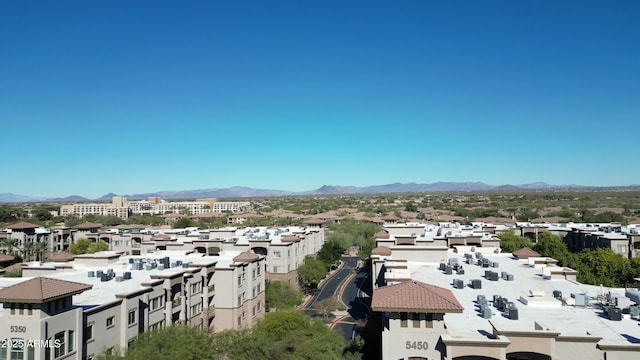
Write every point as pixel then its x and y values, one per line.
pixel 212 278
pixel 103 301
pixel 121 207
pixel 464 301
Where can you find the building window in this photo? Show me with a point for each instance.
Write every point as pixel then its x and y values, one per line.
pixel 276 269
pixel 429 322
pixel 59 339
pixel 17 352
pixel 70 340
pixel 403 320
pixel 88 332
pixel 416 320
pixel 239 321
pixel 196 309
pixel 239 280
pixel 622 249
pixel 197 287
pixel 132 317
pixel 110 322
pixel 277 254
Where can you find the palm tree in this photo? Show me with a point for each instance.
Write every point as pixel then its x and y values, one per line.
pixel 41 248
pixel 9 244
pixel 28 250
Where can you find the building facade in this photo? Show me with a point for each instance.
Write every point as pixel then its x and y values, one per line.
pixel 76 310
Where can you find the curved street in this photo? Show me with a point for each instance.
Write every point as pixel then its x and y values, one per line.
pixel 330 285
pixel 352 295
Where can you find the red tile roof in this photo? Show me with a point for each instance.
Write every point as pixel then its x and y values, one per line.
pixel 41 289
pixel 22 226
pixel 525 253
pixel 382 234
pixel 6 258
pixel 314 221
pixel 390 217
pixel 289 238
pixel 381 250
pixel 14 267
pixel 61 256
pixel 160 237
pixel 415 296
pixel 246 256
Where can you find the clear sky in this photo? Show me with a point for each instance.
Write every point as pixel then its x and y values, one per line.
pixel 142 96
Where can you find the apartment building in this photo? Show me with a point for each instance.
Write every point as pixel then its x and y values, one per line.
pixel 452 303
pixel 622 239
pixel 122 207
pixel 75 310
pixel 417 240
pixel 118 207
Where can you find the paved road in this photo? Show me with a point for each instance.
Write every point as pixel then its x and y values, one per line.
pixel 358 304
pixel 330 286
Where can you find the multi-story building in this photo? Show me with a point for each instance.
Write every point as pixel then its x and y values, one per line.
pixel 415 240
pixel 121 207
pixel 622 239
pixel 451 303
pixel 118 207
pixel 75 310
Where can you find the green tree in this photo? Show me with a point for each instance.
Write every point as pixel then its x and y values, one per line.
pixel 184 223
pixel 331 252
pixel 281 295
pixel 40 250
pixel 86 246
pixel 411 207
pixel 79 246
pixel 42 214
pixel 312 272
pixel 510 242
pixel 552 246
pixel 97 246
pixel 28 249
pixel 292 336
pixel 9 245
pixel 170 343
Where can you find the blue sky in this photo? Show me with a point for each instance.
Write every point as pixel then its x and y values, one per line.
pixel 142 96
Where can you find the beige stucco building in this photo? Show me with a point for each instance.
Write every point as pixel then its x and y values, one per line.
pixel 75 310
pixel 469 302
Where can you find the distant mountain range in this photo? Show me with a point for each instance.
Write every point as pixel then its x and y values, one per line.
pixel 245 192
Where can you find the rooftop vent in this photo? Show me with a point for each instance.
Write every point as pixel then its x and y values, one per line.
pixel 614 313
pixel 476 284
pixel 458 284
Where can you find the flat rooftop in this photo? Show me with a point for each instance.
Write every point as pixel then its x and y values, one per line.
pixel 543 309
pixel 104 292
